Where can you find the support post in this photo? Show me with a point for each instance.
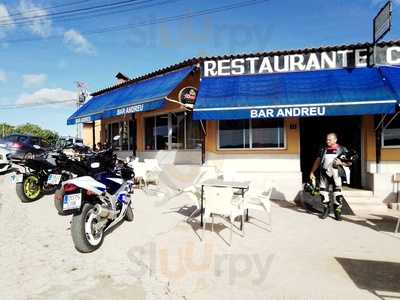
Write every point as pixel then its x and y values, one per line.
pixel 203 143
pixel 378 146
pixel 94 134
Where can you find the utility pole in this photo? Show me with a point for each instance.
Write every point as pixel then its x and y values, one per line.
pixel 82 95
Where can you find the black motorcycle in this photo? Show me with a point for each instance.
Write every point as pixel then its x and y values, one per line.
pixel 37 177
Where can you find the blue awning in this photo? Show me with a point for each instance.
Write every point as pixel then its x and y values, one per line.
pixel 299 94
pixel 140 96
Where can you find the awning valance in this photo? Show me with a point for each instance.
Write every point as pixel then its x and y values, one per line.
pixel 299 94
pixel 140 96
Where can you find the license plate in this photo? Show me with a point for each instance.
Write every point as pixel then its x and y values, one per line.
pixel 17 178
pixel 54 179
pixel 72 201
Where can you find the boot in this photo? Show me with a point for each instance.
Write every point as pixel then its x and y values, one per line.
pixel 325 213
pixel 338 207
pixel 338 214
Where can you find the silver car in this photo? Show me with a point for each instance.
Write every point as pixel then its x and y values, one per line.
pixel 4 162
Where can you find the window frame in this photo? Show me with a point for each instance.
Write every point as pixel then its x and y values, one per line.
pixel 109 128
pixel 169 132
pixel 383 142
pixel 383 138
pixel 250 148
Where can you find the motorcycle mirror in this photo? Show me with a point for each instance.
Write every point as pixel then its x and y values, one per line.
pixel 116 138
pixel 95 165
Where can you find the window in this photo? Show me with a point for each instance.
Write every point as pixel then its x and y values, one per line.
pixel 178 130
pixel 391 135
pixel 172 131
pixel 126 131
pixel 150 139
pixel 124 136
pixel 35 141
pixel 156 133
pixel 11 138
pixel 267 133
pixel 193 132
pixel 161 132
pixel 234 134
pixel 251 134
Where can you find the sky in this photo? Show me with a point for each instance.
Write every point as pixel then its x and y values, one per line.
pixel 43 53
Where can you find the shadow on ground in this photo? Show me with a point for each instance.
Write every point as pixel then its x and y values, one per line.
pixel 312 206
pixel 381 278
pixel 377 222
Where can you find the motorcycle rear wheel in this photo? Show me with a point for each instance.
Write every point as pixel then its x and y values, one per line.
pixel 129 214
pixel 30 189
pixel 85 238
pixel 58 201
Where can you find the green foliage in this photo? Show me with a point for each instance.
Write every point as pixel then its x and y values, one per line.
pixel 5 129
pixel 31 129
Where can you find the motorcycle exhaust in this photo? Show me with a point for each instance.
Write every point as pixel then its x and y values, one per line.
pixel 103 212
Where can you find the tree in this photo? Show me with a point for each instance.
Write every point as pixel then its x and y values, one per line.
pixel 5 129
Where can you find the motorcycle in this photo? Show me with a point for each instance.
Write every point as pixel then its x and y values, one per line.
pixel 36 177
pixel 39 176
pixel 81 166
pixel 97 205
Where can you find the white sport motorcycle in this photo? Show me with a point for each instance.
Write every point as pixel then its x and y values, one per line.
pixel 97 204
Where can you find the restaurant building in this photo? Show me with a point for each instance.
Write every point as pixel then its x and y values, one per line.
pixel 264 115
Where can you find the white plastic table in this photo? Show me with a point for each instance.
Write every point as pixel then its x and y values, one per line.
pixel 241 185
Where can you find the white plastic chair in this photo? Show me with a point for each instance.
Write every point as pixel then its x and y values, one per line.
pixel 219 202
pixel 140 170
pixel 194 191
pixel 230 175
pixel 153 171
pixel 259 199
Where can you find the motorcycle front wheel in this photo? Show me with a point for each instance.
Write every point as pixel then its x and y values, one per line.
pixel 85 235
pixel 30 189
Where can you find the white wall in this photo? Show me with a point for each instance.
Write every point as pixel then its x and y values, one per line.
pixel 381 183
pixel 177 157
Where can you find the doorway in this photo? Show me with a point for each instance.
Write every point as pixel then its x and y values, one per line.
pixel 313 133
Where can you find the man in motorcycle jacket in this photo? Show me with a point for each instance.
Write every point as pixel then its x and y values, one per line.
pixel 329 162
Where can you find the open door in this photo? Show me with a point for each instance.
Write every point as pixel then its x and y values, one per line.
pixel 313 133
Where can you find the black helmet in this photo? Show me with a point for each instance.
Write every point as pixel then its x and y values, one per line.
pixel 311 189
pixel 349 156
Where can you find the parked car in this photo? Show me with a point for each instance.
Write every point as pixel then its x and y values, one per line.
pixel 67 142
pixel 4 162
pixel 22 146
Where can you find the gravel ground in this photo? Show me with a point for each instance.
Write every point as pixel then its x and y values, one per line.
pixel 159 256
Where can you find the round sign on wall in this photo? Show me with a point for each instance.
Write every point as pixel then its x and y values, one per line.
pixel 188 95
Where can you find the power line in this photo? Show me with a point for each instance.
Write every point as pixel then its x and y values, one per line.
pixel 116 10
pixel 28 19
pixel 49 7
pixel 148 23
pixel 25 105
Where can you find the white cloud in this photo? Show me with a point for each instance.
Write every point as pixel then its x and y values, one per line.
pixel 77 42
pixel 50 96
pixel 40 24
pixel 3 76
pixel 6 23
pixel 32 80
